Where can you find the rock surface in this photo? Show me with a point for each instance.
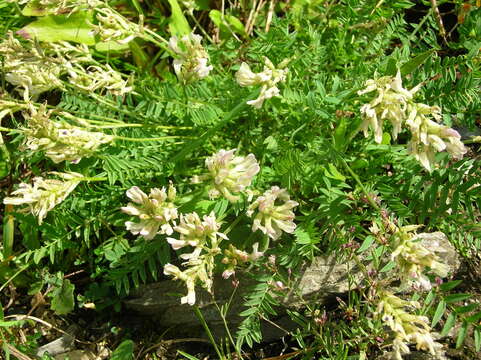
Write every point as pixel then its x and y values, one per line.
pixel 321 281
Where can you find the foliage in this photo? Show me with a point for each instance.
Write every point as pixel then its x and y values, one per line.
pixel 306 140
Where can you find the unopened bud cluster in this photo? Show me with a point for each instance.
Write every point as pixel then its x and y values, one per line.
pixel 395 104
pixel 267 79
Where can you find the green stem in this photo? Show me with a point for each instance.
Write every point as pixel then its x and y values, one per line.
pixel 207 330
pixel 94 179
pixel 13 277
pixel 361 185
pixel 151 139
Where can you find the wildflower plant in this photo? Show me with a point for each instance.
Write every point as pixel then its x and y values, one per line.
pixel 191 59
pixel 313 186
pixel 229 175
pixel 44 194
pixel 396 104
pixel 267 79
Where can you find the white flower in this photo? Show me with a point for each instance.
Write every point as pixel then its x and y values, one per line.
pixel 45 194
pixel 275 213
pixel 429 137
pixel 60 141
pixel 196 233
pixel 155 211
pixel 391 104
pixel 406 327
pixel 191 63
pixel 268 79
pixel 412 258
pixel 230 175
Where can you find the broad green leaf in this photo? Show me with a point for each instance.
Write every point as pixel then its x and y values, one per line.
pixel 438 314
pixel 227 23
pixel 51 28
pixel 178 25
pixel 106 46
pixel 125 351
pixel 62 298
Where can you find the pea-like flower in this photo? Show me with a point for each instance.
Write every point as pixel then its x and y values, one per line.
pixel 274 214
pixel 156 211
pixel 429 137
pixel 191 62
pixel 407 327
pixel 413 258
pixel 28 69
pixel 198 233
pixel 112 26
pixel 234 257
pixel 230 175
pixel 204 236
pixel 390 103
pixel 268 79
pixel 60 141
pixel 44 194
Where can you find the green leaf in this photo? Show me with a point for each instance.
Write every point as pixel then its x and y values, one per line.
pixel 450 321
pixel 477 339
pixel 227 23
pixel 456 297
pixel 52 28
pixel 125 351
pixel 190 357
pixel 474 318
pixel 178 25
pixel 412 64
pixel 461 335
pixel 450 285
pixel 438 314
pixel 62 298
pixel 366 244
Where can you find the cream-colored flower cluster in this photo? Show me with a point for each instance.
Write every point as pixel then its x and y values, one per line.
pixel 274 213
pixel 57 7
pixel 204 236
pixel 395 104
pixel 191 62
pixel 267 79
pixel 429 137
pixel 229 175
pixel 44 194
pixel 29 69
pixel 413 259
pixel 33 70
pixel 156 211
pixel 407 328
pixel 59 141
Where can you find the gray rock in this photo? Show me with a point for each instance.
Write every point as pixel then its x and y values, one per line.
pixel 60 345
pixel 320 281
